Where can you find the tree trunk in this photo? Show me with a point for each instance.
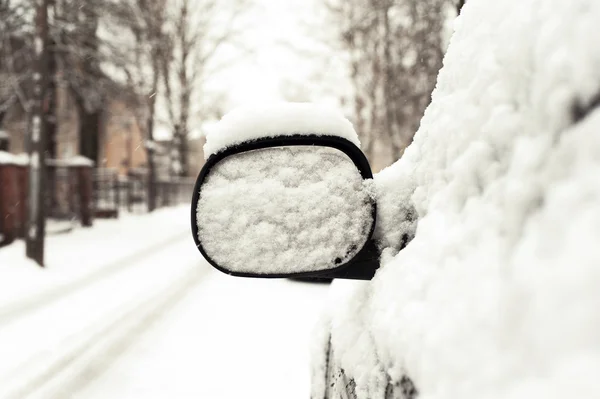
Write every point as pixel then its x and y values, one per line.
pixel 183 153
pixel 151 166
pixel 50 117
pixel 390 126
pixel 89 116
pixel 89 133
pixel 50 122
pixel 150 147
pixel 36 224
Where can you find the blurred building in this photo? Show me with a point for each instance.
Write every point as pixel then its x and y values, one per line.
pixel 122 144
pixel 195 154
pixel 121 141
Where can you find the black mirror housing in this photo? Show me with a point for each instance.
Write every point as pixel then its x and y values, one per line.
pixel 357 255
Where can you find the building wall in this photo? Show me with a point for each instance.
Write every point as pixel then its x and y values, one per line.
pixel 67 138
pixel 123 144
pixel 121 139
pixel 15 124
pixel 196 155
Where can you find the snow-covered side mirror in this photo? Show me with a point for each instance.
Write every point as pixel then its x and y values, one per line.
pixel 295 205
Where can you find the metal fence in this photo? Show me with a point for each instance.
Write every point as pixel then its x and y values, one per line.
pixel 173 192
pixel 106 192
pixel 61 199
pixel 114 193
pixel 66 200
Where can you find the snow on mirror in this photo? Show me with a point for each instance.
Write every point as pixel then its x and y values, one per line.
pixel 284 210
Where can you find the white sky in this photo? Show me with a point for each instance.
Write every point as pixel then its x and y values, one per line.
pixel 283 43
pixel 283 39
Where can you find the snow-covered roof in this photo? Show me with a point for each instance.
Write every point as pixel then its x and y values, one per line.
pixel 6 158
pixel 21 159
pixel 13 159
pixel 77 160
pixel 497 294
pixel 80 160
pixel 279 119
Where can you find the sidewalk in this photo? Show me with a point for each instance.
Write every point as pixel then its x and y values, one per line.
pixel 85 251
pixel 102 287
pixel 130 309
pixel 229 338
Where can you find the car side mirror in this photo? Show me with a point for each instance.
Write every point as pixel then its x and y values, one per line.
pixel 287 206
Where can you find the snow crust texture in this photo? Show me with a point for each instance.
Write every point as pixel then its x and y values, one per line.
pixel 77 160
pixel 6 158
pixel 23 160
pixel 497 294
pixel 279 119
pixel 284 209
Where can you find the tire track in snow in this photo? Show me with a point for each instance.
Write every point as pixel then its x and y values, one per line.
pixel 9 314
pixel 79 366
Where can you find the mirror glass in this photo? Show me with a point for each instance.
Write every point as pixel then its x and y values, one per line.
pixel 284 210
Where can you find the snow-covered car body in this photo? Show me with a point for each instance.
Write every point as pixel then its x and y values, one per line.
pixel 487 227
pixel 497 293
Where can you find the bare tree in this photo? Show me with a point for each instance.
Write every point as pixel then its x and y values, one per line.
pixel 141 43
pixel 75 47
pixel 395 50
pixel 16 56
pixel 198 30
pixel 74 58
pixel 358 35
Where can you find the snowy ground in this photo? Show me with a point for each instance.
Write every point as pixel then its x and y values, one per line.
pixel 228 338
pixel 129 309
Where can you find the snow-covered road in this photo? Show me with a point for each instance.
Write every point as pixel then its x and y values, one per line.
pixel 160 323
pixel 228 338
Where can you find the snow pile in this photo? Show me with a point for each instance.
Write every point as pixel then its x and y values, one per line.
pixel 78 160
pixel 21 159
pixel 280 119
pixel 497 294
pixel 6 158
pixel 284 209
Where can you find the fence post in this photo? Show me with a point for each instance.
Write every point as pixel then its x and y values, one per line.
pixel 84 168
pixel 85 195
pixel 117 189
pixel 129 194
pixel 73 189
pixel 23 185
pixel 8 199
